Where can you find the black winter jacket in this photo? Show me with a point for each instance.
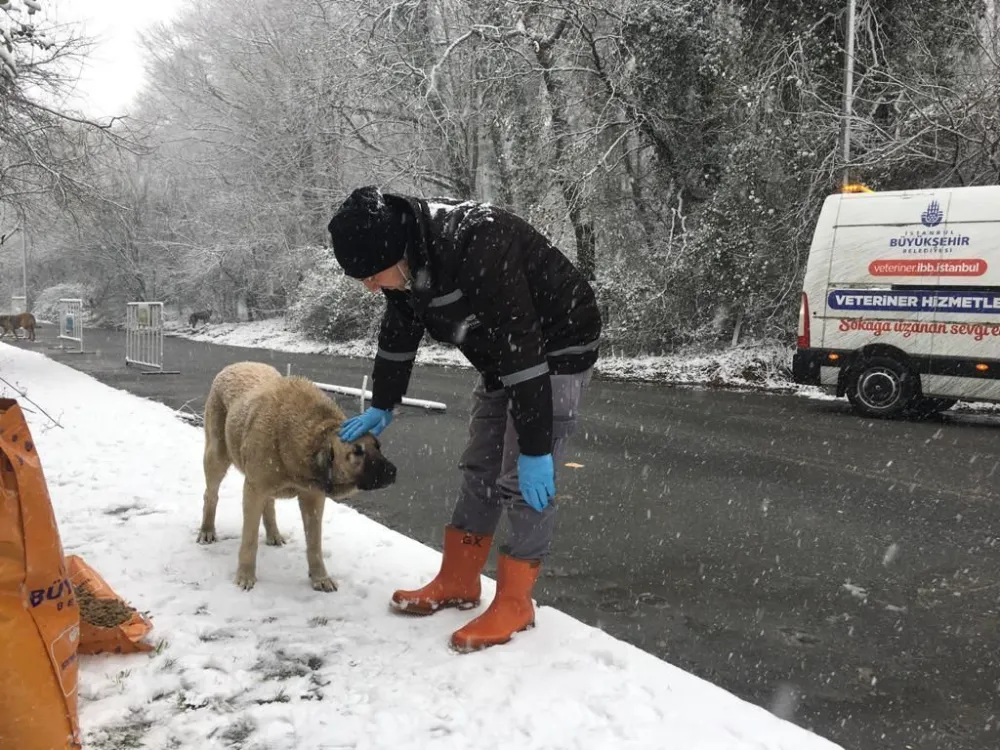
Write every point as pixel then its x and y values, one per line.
pixel 488 282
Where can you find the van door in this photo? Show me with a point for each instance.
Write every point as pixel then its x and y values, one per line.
pixel 966 348
pixel 879 266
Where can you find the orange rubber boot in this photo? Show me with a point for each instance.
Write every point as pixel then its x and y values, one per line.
pixel 457 582
pixel 511 611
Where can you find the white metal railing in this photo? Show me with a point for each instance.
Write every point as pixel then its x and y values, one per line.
pixel 71 323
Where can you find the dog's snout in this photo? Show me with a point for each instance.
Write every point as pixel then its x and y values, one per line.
pixel 378 473
pixel 385 474
pixel 390 474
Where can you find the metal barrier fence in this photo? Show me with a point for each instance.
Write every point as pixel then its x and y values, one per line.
pixel 71 323
pixel 144 337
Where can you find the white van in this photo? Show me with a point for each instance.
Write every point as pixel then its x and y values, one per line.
pixel 901 300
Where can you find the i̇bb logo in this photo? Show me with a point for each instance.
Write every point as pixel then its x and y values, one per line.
pixel 933 215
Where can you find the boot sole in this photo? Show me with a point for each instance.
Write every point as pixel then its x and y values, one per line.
pixel 470 648
pixel 409 608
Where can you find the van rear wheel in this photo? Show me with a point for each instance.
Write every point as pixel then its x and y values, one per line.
pixel 881 386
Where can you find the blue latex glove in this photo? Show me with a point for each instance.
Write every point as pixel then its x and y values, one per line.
pixel 536 477
pixel 370 420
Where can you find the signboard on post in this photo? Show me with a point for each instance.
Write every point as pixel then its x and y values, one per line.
pixel 144 337
pixel 18 305
pixel 142 314
pixel 71 324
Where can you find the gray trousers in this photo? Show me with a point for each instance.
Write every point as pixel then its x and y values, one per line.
pixel 489 468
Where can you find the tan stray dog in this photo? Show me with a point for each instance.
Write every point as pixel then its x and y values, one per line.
pixel 281 433
pixel 23 320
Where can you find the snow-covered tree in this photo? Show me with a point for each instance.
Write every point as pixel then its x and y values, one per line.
pixel 677 151
pixel 18 33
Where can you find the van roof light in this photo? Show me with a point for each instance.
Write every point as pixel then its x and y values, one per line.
pixel 856 187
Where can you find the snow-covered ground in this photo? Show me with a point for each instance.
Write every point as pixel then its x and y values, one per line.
pixel 284 666
pixel 753 366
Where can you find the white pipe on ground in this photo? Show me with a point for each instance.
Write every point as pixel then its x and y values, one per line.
pixel 348 391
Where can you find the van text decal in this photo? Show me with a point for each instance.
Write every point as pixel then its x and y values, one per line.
pixel 932 240
pixel 914 301
pixel 921 239
pixel 933 267
pixel 907 328
pixel 929 242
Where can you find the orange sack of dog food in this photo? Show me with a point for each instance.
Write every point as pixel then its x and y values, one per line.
pixel 107 623
pixel 39 618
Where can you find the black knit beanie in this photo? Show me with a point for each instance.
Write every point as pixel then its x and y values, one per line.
pixel 369 233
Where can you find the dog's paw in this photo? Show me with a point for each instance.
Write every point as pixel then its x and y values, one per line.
pixel 324 584
pixel 206 536
pixel 246 579
pixel 275 541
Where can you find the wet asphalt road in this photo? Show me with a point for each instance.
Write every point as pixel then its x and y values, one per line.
pixel 842 572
